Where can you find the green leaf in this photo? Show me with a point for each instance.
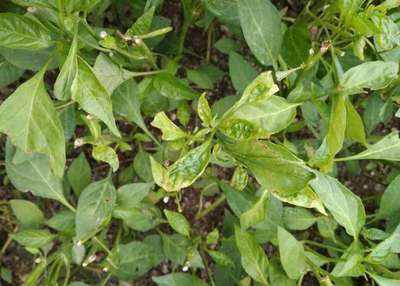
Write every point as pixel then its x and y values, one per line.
pixel 136 258
pixel 92 95
pixel 292 254
pixel 226 45
pixel 204 111
pixel 277 275
pixel 201 78
pixel 169 130
pixel 95 206
pixel 388 148
pixel 372 113
pixel 142 24
pixel 172 87
pixel 261 26
pixel 386 247
pixel 298 218
pixel 63 84
pixel 175 247
pixel 178 279
pixel 382 281
pixel 372 75
pixel 183 113
pixel 296 44
pixel 8 72
pixel 63 221
pixel 274 166
pixel 106 154
pixel 185 171
pixel 141 217
pixel 27 213
pixel 253 258
pixel 20 32
pixel 346 208
pixel 126 103
pixel 258 113
pixel 79 174
pixel 351 267
pixel 305 198
pixel 337 125
pixel 29 118
pixel 31 172
pixel 142 166
pixel 256 213
pixel 354 124
pixel 272 115
pixel 80 5
pixel 221 258
pixel 34 238
pixel 110 74
pixel 178 222
pixel 238 201
pixel 225 10
pixel 389 202
pixel 241 72
pixel 132 195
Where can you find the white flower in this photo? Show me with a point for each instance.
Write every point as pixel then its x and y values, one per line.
pixel 185 268
pixel 166 200
pixel 31 9
pixel 103 34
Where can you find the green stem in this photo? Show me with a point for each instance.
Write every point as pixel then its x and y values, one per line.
pixel 212 207
pixel 323 245
pixel 62 106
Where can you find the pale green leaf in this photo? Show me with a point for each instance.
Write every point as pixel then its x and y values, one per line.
pixel 106 154
pixel 204 110
pixel 20 32
pixel 256 213
pixel 178 222
pixel 382 281
pixel 27 213
pixel 354 125
pixel 169 130
pixel 390 203
pixel 142 24
pixel 79 174
pixel 95 206
pixel 126 103
pixel 34 238
pixel 372 75
pixel 241 72
pixel 253 258
pixel 274 166
pixel 8 72
pixel 31 172
pixel 172 87
pixel 261 26
pixel 298 218
pixel 92 96
pixel 388 148
pixel 292 254
pixel 178 279
pixel 63 84
pixel 29 118
pixel 137 258
pixel 346 207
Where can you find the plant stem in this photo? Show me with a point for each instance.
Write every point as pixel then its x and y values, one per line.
pixel 62 106
pixel 211 207
pixel 323 245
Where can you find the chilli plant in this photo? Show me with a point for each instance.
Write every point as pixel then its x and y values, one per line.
pixel 200 142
